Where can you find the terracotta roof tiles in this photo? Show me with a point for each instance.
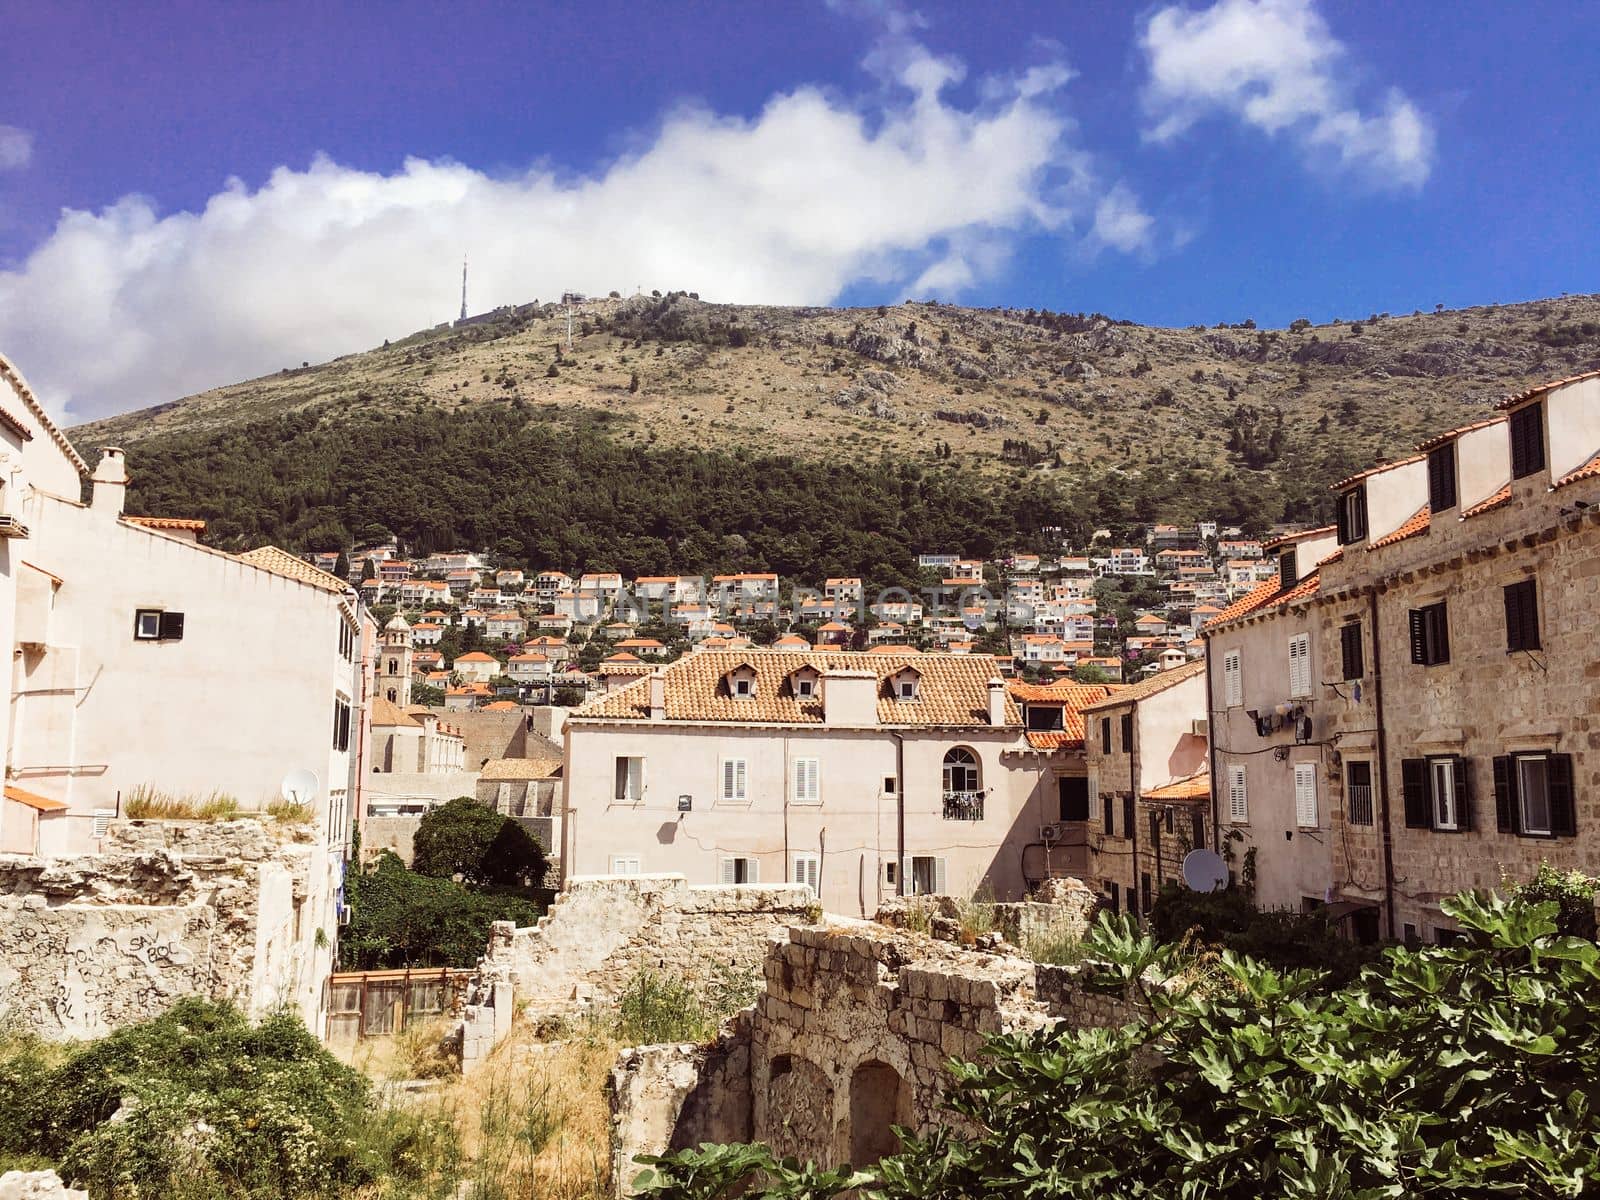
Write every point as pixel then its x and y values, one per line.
pixel 1516 398
pixel 282 563
pixel 1417 525
pixel 1503 496
pixel 1440 439
pixel 1191 787
pixel 1156 683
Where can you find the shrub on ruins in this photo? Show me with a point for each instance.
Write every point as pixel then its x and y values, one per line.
pixel 1283 938
pixel 202 1102
pixel 1446 1071
pixel 399 918
pixel 470 841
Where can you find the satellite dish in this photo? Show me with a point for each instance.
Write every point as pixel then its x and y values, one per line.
pixel 1204 871
pixel 299 787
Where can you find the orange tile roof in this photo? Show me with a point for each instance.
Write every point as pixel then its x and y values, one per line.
pixel 1587 471
pixel 953 689
pixel 476 656
pixel 888 648
pixel 1503 496
pixel 1073 697
pixel 191 524
pixel 1360 475
pixel 1284 539
pixel 1418 524
pixel 1248 603
pixel 1517 398
pixel 387 712
pixel 1191 787
pixel 1158 682
pixel 1440 439
pixel 621 657
pixel 500 706
pixel 33 800
pixel 289 566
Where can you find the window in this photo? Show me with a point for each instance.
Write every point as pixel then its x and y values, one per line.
pixel 1410 936
pixel 1300 666
pixel 1522 616
pixel 804 689
pixel 341 723
pixel 960 770
pixel 1430 635
pixel 1358 792
pixel 1533 795
pixel 1107 824
pixel 1232 679
pixel 739 870
pixel 1105 734
pixel 157 625
pixel 1350 650
pixel 1044 717
pixel 1238 802
pixel 624 864
pixel 629 780
pixel 1305 795
pixel 1127 733
pixel 1072 793
pixel 1448 809
pixel 806 869
pixel 735 781
pixel 744 688
pixel 1352 516
pixel 1127 814
pixel 925 876
pixel 807 789
pixel 1527 440
pixel 889 785
pixel 347 640
pixel 1442 479
pixel 1287 568
pixel 1144 892
pixel 891 873
pixel 1113 899
pixel 906 689
pixel 394 666
pixel 1197 831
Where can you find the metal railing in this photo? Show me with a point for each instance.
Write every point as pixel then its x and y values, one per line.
pixel 1358 804
pixel 963 806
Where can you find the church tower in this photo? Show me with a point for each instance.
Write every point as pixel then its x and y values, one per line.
pixel 394 662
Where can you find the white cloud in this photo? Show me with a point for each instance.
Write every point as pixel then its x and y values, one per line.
pixel 1120 222
pixel 126 306
pixel 1275 65
pixel 16 148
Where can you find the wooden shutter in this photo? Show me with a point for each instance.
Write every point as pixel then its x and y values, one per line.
pixel 1505 794
pixel 805 781
pixel 1442 479
pixel 729 777
pixel 1342 516
pixel 1233 679
pixel 752 870
pixel 1462 768
pixel 725 870
pixel 1305 795
pixel 1300 665
pixel 941 884
pixel 1563 817
pixel 1414 786
pixel 1350 650
pixel 908 880
pixel 1106 815
pixel 1527 441
pixel 1440 620
pixel 1127 815
pixel 1522 616
pixel 1197 830
pixel 1238 801
pixel 171 626
pixel 1359 523
pixel 1419 636
pixel 1287 569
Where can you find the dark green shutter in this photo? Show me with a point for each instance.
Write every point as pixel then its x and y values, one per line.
pixel 1463 773
pixel 1563 817
pixel 1505 794
pixel 1419 642
pixel 1414 786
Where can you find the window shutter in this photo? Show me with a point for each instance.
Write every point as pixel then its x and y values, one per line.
pixel 1300 665
pixel 1442 479
pixel 171 626
pixel 1305 795
pixel 1414 786
pixel 1563 817
pixel 1419 637
pixel 1287 570
pixel 1238 802
pixel 1197 830
pixel 621 790
pixel 727 778
pixel 1463 780
pixel 940 876
pixel 725 870
pixel 1343 516
pixel 1127 815
pixel 1359 525
pixel 102 822
pixel 908 881
pixel 1441 632
pixel 1350 650
pixel 1105 815
pixel 1233 682
pixel 752 870
pixel 1522 616
pixel 1505 795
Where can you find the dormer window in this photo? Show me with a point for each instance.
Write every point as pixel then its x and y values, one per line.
pixel 1442 478
pixel 805 688
pixel 1288 570
pixel 744 687
pixel 1353 515
pixel 1527 441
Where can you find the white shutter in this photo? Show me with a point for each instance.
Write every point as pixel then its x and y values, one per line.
pixel 1305 794
pixel 752 870
pixel 102 821
pixel 940 883
pixel 1232 680
pixel 805 781
pixel 725 870
pixel 733 779
pixel 636 778
pixel 1238 802
pixel 908 881
pixel 814 874
pixel 1300 666
pixel 807 869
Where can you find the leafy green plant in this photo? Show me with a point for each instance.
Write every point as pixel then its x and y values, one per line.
pixel 1573 892
pixel 467 840
pixel 1459 1071
pixel 659 1008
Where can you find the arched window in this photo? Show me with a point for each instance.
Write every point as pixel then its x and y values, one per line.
pixel 961 770
pixel 393 696
pixel 394 666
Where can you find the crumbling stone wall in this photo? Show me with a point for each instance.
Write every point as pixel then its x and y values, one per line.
pixel 1062 908
pixel 603 930
pixel 166 910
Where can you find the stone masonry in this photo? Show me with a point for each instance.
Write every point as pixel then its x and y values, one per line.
pixel 166 910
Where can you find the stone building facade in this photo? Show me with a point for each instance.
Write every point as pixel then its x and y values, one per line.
pixel 1455 715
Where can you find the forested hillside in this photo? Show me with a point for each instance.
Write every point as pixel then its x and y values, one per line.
pixel 677 435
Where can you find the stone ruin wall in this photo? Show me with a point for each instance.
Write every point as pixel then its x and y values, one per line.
pixel 849 1037
pixel 166 910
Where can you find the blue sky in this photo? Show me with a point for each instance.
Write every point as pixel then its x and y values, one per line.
pixel 191 194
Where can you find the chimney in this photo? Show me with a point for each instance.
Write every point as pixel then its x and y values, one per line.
pixel 997 702
pixel 850 698
pixel 658 697
pixel 110 482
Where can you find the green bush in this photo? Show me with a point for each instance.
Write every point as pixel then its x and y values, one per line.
pixel 402 919
pixel 467 840
pixel 1455 1072
pixel 200 1102
pixel 1283 938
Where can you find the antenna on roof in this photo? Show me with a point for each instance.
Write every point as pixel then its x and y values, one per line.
pixel 463 287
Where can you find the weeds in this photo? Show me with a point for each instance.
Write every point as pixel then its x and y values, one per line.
pixel 146 803
pixel 1056 945
pixel 976 916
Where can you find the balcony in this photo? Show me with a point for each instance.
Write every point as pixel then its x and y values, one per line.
pixel 963 806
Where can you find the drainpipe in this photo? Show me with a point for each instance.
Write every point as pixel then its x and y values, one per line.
pixel 1211 751
pixel 900 813
pixel 1133 828
pixel 1383 762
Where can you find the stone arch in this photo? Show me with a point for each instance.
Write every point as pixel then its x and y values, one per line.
pixel 880 1099
pixel 799 1108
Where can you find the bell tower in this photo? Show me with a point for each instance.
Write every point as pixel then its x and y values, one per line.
pixel 394 662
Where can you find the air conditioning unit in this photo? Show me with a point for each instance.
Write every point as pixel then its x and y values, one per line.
pixel 1200 727
pixel 1049 833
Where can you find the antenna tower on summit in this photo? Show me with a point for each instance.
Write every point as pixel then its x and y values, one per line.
pixel 463 287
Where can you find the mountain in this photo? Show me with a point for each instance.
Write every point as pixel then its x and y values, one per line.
pixel 672 419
